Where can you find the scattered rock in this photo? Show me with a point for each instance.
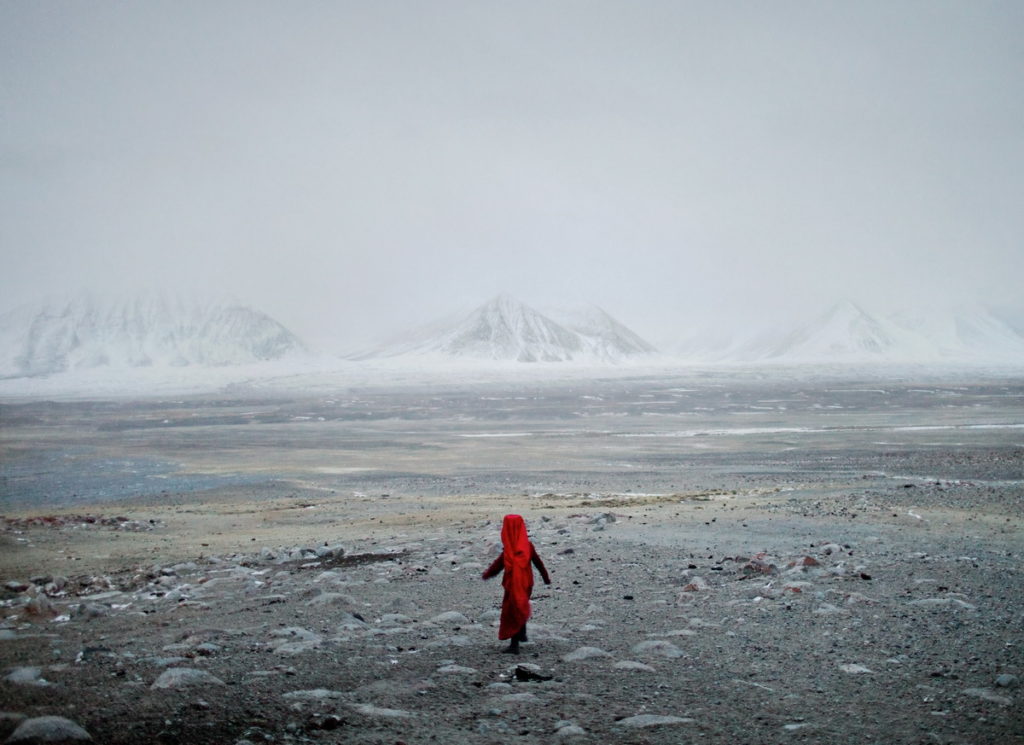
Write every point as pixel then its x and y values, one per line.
pixel 1006 681
pixel 89 610
pixel 395 619
pixel 352 622
pixel 584 653
pixel 955 603
pixel 827 609
pixel 207 649
pixel 330 552
pixel 759 565
pixel 987 694
pixel 568 729
pixel 456 670
pixel 9 721
pixel 529 673
pixel 676 632
pixel 315 694
pixel 450 618
pixel 640 721
pixel 657 648
pixel 696 584
pixel 295 640
pixel 185 677
pixel 48 729
pixel 332 598
pixel 27 676
pixel 376 711
pixel 633 665
pixel 40 607
pixel 795 726
pixel 854 669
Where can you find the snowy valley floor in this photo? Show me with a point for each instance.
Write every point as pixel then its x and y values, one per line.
pixel 756 562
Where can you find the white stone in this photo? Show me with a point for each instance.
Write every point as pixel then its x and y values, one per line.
pixel 633 665
pixel 376 711
pixel 854 669
pixel 31 676
pixel 584 653
pixel 48 729
pixel 652 720
pixel 332 598
pixel 450 618
pixel 314 694
pixel 988 695
pixel 943 603
pixel 519 698
pixel 184 677
pixel 457 669
pixel 659 648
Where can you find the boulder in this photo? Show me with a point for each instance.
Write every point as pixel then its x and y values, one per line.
pixel 49 729
pixel 185 677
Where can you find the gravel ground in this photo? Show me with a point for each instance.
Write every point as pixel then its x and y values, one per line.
pixel 885 614
pixel 733 561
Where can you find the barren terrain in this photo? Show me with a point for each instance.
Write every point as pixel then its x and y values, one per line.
pixel 733 560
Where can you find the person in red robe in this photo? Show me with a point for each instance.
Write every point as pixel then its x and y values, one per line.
pixel 517 556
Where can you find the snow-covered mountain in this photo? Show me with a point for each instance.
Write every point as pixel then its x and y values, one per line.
pixel 847 333
pixel 505 329
pixel 140 331
pixel 603 336
pixel 966 333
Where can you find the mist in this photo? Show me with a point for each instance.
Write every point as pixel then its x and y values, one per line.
pixel 354 169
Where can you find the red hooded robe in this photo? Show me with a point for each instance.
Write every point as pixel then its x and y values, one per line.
pixel 516 557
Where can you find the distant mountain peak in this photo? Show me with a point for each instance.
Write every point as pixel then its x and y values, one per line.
pixel 137 330
pixel 847 333
pixel 604 336
pixel 506 329
pixel 842 331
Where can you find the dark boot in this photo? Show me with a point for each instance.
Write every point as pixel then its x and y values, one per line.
pixel 513 645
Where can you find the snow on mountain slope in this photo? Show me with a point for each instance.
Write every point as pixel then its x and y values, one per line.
pixel 965 333
pixel 603 336
pixel 142 331
pixel 846 333
pixel 505 329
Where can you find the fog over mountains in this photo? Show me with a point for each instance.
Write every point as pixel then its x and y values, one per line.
pixel 157 331
pixel 145 330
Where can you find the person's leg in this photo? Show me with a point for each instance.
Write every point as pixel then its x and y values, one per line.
pixel 513 645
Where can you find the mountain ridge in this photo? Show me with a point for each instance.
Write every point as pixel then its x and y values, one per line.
pixel 506 329
pixel 848 333
pixel 85 331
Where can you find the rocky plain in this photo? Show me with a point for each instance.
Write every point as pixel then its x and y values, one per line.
pixel 734 559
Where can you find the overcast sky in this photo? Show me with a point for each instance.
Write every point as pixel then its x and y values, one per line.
pixel 354 168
